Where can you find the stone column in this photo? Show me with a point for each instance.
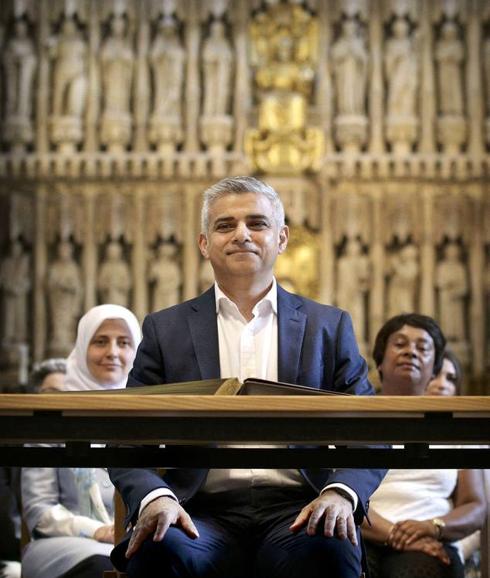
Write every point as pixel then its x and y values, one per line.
pixel 474 85
pixel 141 81
pixel 376 113
pixel 40 263
pixel 139 256
pixel 241 97
pixel 476 266
pixel 427 102
pixel 324 93
pixel 193 92
pixel 377 257
pixel 327 256
pixel 93 88
pixel 89 256
pixel 191 251
pixel 427 258
pixel 42 103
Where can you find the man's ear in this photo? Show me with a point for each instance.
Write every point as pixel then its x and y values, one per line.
pixel 283 238
pixel 203 245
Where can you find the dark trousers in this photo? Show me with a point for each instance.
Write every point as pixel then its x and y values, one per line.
pixel 245 533
pixel 384 562
pixel 91 567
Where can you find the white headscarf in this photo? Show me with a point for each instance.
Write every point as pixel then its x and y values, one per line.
pixel 78 376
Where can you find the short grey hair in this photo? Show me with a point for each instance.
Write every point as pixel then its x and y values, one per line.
pixel 239 185
pixel 44 368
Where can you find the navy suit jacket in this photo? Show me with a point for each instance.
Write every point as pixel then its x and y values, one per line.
pixel 316 348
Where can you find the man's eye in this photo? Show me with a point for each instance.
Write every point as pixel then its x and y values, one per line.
pixel 223 226
pixel 258 225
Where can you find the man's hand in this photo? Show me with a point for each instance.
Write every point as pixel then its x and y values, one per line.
pixel 156 518
pixel 336 509
pixel 105 534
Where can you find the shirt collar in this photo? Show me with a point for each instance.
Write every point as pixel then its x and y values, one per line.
pixel 269 299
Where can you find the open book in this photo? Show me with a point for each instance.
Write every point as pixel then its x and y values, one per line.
pixel 230 386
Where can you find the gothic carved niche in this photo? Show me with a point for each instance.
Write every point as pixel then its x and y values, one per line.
pixel 350 72
pixel 64 289
pixel 402 70
pixel 117 68
pixel 163 217
pixel 20 60
pixel 167 61
pixel 68 51
pixel 449 56
pixel 350 216
pixel 165 277
pixel 65 215
pixel 115 219
pixel 217 67
pixel 452 216
pixel 284 40
pixel 114 281
pixel 451 282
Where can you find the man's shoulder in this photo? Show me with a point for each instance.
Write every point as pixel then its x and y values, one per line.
pixel 204 300
pixel 309 306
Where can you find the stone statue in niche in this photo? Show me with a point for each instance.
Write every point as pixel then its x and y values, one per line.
pixel 15 283
pixel 449 55
pixel 164 273
pixel 452 287
pixel 402 69
pixel 353 279
pixel 401 64
pixel 19 59
pixel 350 59
pixel 69 85
pixel 114 278
pixel 64 285
pixel 402 285
pixel 217 62
pixel 167 61
pixel 117 64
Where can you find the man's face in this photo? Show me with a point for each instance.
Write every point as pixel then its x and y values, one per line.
pixel 243 239
pixel 408 362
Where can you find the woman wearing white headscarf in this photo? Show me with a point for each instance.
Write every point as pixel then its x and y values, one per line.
pixel 69 510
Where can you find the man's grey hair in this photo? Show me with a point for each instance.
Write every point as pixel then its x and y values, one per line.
pixel 44 368
pixel 239 185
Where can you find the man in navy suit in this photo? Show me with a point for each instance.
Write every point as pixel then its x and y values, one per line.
pixel 241 523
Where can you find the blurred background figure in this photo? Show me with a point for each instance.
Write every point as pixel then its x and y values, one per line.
pixel 68 511
pixel 449 380
pixel 48 375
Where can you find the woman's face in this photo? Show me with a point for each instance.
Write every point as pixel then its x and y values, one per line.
pixel 408 362
pixel 111 352
pixel 444 383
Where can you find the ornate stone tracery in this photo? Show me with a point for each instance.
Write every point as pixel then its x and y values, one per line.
pixel 117 115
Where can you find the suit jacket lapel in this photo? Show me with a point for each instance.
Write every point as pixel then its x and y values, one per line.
pixel 204 332
pixel 291 330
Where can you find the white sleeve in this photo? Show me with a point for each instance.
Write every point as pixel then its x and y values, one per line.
pixel 58 521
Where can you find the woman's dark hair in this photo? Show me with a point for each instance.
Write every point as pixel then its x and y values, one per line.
pixel 458 370
pixel 414 320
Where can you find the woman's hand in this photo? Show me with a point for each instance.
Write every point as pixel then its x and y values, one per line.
pixel 406 532
pixel 105 534
pixel 430 546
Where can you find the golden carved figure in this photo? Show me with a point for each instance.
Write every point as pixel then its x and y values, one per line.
pixel 284 56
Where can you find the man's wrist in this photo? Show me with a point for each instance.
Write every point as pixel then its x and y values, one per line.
pixel 345 495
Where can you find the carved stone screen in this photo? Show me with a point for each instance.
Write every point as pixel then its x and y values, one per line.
pixel 370 117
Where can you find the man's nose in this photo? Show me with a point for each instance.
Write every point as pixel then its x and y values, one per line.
pixel 242 233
